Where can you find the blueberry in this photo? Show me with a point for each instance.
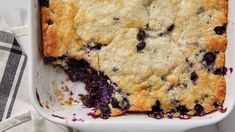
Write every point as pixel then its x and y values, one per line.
pixel 221 71
pixel 116 18
pixel 105 112
pixel 163 78
pixel 126 103
pixel 158 104
pixel 170 88
pixel 171 27
pixel 44 3
pixel 141 35
pixel 190 64
pixel 141 46
pixel 147 26
pixel 115 103
pixel 182 109
pixel 96 47
pixel 220 30
pixel 193 77
pixel 157 107
pixel 209 57
pixel 115 69
pixel 216 104
pixel 49 21
pixel 157 112
pixel 198 109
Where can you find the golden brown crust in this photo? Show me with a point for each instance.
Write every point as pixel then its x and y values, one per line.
pixel 50 45
pixel 217 44
pixel 140 103
pixel 220 60
pixel 116 112
pixel 60 36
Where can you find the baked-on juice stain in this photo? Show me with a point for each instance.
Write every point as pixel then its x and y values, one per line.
pixel 38 98
pixel 58 116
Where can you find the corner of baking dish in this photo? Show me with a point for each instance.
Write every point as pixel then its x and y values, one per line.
pixel 137 122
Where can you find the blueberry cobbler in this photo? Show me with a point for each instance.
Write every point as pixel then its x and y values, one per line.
pixel 161 57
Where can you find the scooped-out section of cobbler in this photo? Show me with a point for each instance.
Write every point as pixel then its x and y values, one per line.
pixel 102 94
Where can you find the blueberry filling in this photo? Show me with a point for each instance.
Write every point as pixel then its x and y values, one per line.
pixel 99 90
pixel 193 77
pixel 198 109
pixel 141 35
pixel 220 30
pixel 209 58
pixel 182 109
pixel 171 28
pixel 50 59
pixel 141 46
pixel 44 3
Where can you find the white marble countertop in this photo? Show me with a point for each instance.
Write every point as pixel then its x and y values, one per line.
pixel 15 14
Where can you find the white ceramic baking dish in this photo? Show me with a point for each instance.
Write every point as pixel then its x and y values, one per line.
pixel 46 80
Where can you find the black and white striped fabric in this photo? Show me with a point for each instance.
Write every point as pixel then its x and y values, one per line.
pixel 12 66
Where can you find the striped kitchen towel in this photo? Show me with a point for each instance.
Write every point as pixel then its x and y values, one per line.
pixel 12 69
